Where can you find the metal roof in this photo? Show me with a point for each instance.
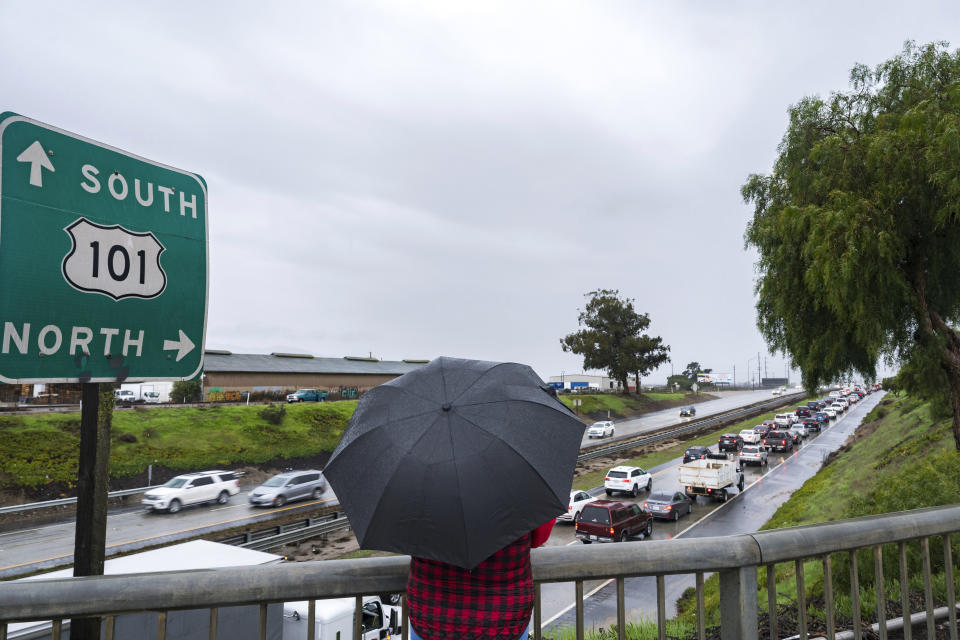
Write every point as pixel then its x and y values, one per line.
pixel 223 362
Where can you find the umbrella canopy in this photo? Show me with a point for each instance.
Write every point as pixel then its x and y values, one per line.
pixel 455 460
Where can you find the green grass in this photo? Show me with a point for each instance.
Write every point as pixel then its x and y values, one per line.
pixel 40 449
pixel 639 630
pixel 621 406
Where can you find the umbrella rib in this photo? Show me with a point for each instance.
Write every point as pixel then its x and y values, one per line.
pixel 479 378
pixel 395 420
pixel 413 445
pixel 512 448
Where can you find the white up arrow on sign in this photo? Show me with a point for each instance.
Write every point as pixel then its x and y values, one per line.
pixel 183 346
pixel 37 157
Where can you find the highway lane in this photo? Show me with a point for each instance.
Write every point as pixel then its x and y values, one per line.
pixel 130 528
pixel 133 528
pixel 725 401
pixel 767 489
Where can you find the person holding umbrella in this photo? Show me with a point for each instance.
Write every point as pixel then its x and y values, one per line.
pixel 465 464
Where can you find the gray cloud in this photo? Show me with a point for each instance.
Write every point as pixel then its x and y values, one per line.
pixel 418 179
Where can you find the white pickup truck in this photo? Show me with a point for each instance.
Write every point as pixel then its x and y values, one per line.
pixel 712 476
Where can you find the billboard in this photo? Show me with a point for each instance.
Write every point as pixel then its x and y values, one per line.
pixel 715 378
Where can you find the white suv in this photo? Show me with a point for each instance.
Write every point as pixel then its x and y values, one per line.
pixel 627 480
pixel 783 419
pixel 600 429
pixel 192 488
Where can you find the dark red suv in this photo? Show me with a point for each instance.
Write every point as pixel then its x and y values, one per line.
pixel 613 521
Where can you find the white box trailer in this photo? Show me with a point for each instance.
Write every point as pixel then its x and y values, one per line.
pixel 712 476
pixel 232 622
pixel 333 619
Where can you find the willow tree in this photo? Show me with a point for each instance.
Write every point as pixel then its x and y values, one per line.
pixel 857 227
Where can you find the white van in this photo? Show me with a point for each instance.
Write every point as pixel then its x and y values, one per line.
pixel 151 397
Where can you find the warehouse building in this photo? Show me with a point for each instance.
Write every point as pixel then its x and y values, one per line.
pixel 229 375
pixel 583 382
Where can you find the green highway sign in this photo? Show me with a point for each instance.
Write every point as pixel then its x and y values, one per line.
pixel 103 261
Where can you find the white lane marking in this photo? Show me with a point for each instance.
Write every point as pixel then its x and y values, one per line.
pixel 13 533
pixel 585 596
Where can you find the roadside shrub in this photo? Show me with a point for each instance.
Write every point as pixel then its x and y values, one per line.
pixel 273 413
pixel 930 482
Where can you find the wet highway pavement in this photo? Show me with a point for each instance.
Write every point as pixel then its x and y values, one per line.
pixel 726 400
pixel 767 489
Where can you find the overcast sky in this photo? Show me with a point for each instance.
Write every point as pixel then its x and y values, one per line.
pixel 416 179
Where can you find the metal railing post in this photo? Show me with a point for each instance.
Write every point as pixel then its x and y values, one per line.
pixel 738 604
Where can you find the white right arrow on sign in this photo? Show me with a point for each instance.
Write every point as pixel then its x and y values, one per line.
pixel 183 346
pixel 37 157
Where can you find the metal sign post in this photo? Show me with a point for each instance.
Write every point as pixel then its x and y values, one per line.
pixel 103 256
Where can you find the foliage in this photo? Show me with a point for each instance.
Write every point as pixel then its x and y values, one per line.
pixel 692 369
pixel 273 413
pixel 42 448
pixel 858 227
pixel 186 391
pixel 682 381
pixel 611 339
pixel 641 629
pixel 619 406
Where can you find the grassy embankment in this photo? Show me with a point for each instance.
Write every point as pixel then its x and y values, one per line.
pixel 901 458
pixel 621 406
pixel 41 449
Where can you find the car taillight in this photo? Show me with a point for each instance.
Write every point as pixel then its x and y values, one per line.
pixel 606 479
pixel 688 488
pixel 669 507
pixel 570 508
pixel 626 480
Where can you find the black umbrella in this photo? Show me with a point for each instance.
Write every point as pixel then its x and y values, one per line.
pixel 455 460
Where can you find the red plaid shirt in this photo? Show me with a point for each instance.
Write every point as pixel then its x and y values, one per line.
pixel 494 601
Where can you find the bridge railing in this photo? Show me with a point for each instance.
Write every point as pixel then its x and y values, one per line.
pixel 738 560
